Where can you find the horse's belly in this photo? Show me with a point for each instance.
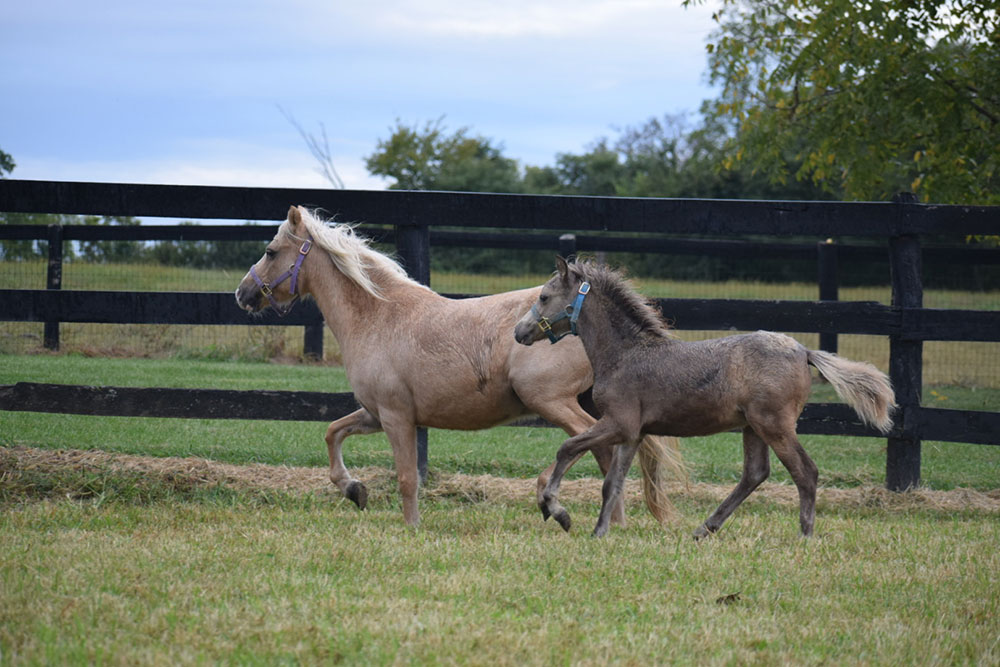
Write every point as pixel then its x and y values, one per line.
pixel 469 411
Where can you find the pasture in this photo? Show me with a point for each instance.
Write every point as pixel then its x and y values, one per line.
pixel 129 553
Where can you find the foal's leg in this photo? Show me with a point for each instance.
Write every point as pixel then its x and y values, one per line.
pixel 756 468
pixel 570 417
pixel 803 471
pixel 611 492
pixel 601 434
pixel 358 422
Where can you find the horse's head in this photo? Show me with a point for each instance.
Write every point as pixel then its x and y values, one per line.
pixel 555 313
pixel 274 279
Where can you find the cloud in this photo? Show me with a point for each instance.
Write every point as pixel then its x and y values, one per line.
pixel 213 164
pixel 527 18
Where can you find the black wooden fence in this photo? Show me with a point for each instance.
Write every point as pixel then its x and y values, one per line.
pixel 412 216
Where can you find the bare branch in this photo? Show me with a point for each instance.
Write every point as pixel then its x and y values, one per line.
pixel 319 149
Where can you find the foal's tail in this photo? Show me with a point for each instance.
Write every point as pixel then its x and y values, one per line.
pixel 864 387
pixel 660 458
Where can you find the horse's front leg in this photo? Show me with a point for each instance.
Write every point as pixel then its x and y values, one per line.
pixel 601 434
pixel 402 434
pixel 614 482
pixel 359 422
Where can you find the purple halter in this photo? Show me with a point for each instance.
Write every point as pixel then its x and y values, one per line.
pixel 292 272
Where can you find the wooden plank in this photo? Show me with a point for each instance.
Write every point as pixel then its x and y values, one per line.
pixel 546 241
pixel 176 403
pixel 400 207
pixel 955 325
pixel 142 308
pixel 789 316
pixel 970 426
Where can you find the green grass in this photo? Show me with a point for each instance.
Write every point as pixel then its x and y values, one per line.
pixel 103 565
pixel 231 578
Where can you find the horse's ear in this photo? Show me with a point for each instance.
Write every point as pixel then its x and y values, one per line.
pixel 294 217
pixel 562 267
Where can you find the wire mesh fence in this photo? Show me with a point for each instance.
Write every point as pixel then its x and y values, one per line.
pixel 487 271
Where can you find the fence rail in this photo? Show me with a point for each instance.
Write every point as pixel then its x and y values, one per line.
pixel 410 218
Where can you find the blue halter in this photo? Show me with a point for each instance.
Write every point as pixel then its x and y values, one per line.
pixel 572 312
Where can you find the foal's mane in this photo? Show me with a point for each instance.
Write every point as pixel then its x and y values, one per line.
pixel 351 254
pixel 616 288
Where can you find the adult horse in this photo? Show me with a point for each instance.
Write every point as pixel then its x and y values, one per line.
pixel 415 358
pixel 648 382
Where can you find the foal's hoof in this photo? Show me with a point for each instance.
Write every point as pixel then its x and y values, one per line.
pixel 702 532
pixel 358 494
pixel 545 511
pixel 562 517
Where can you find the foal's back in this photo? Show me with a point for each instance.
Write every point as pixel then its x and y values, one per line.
pixel 700 388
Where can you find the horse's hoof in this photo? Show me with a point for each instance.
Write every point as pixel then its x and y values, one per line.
pixel 562 517
pixel 702 532
pixel 599 532
pixel 545 511
pixel 358 494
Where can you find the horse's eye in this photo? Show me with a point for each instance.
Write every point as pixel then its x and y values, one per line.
pixel 270 253
pixel 542 298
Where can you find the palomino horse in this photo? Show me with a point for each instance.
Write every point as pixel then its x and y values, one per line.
pixel 648 382
pixel 415 358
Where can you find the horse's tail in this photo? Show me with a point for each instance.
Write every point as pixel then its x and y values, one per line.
pixel 864 387
pixel 659 459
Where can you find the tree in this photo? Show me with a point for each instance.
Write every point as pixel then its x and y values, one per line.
pixel 867 98
pixel 110 251
pixel 663 157
pixel 431 159
pixel 6 164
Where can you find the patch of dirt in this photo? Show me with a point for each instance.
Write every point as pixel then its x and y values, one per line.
pixel 475 488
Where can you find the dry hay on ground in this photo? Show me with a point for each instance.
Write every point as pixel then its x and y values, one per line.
pixel 477 488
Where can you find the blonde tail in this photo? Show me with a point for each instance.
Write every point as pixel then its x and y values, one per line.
pixel 660 458
pixel 864 387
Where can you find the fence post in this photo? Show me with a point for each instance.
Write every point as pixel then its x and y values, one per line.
pixel 567 246
pixel 828 286
pixel 902 466
pixel 413 246
pixel 312 342
pixel 53 280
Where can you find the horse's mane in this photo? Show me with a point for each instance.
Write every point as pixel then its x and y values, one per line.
pixel 351 254
pixel 614 285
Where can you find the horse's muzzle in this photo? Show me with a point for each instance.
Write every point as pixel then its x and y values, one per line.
pixel 523 334
pixel 248 297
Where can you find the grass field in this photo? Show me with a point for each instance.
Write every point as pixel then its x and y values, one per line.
pixel 106 564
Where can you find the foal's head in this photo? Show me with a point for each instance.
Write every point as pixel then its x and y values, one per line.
pixel 566 294
pixel 557 309
pixel 274 279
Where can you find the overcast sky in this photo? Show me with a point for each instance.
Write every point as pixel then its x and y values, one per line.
pixel 189 92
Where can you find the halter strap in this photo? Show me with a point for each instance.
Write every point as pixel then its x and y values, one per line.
pixel 572 312
pixel 292 272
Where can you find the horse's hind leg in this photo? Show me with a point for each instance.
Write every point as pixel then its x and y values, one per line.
pixel 756 468
pixel 358 422
pixel 614 481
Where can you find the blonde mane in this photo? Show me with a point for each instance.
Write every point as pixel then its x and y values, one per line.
pixel 351 254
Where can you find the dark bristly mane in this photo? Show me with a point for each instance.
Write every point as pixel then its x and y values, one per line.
pixel 616 288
